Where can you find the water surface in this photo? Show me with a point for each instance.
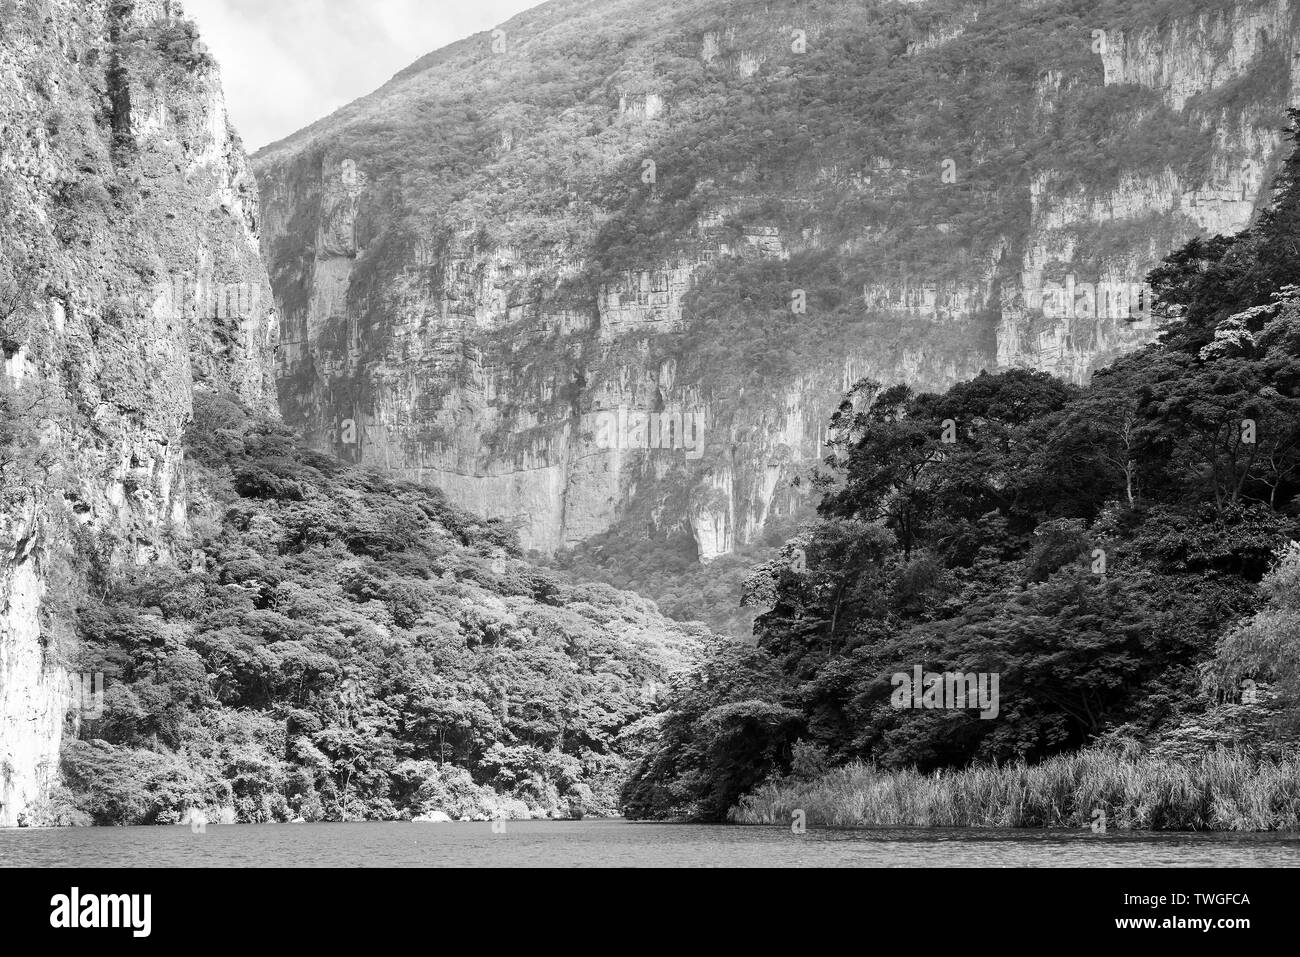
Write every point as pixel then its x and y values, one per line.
pixel 623 843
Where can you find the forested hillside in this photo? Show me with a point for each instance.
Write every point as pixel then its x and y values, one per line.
pixel 1122 556
pixel 343 646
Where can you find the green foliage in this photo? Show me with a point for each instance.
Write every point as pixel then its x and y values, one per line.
pixel 1096 549
pixel 173 43
pixel 27 461
pixel 344 646
pixel 723 728
pixel 1267 645
pixel 667 569
pixel 24 268
pixel 1223 790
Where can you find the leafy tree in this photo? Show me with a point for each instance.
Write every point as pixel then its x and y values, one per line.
pixel 353 647
pixel 1266 647
pixel 1099 550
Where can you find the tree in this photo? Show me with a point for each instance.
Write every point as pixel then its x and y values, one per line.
pixel 25 266
pixel 1266 647
pixel 27 457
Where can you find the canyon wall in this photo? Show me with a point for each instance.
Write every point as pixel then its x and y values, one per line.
pixel 739 210
pixel 130 277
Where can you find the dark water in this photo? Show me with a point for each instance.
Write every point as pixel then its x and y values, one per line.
pixel 622 843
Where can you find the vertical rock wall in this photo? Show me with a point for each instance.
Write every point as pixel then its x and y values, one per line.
pixel 457 306
pixel 130 276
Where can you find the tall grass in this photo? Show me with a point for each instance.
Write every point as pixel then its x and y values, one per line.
pixel 1225 790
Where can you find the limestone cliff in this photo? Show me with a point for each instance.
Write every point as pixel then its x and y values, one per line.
pixel 129 277
pixel 738 210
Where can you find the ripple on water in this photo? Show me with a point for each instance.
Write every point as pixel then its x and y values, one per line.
pixel 625 843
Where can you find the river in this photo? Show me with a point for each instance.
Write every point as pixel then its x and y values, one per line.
pixel 625 843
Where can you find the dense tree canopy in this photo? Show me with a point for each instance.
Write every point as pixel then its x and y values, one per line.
pixel 1100 550
pixel 339 645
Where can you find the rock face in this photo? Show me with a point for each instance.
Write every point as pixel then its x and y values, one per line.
pixel 129 277
pixel 739 210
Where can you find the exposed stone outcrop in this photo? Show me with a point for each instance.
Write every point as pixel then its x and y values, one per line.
pixel 455 318
pixel 130 231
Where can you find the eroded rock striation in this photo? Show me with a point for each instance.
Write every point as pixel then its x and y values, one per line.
pixel 740 210
pixel 130 277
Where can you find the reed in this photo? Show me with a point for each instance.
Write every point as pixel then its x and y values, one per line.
pixel 1225 790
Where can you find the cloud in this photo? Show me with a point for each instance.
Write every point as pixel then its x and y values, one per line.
pixel 288 63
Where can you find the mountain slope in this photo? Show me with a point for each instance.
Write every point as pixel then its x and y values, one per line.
pixel 253 632
pixel 1019 567
pixel 126 211
pixel 737 211
pixel 343 646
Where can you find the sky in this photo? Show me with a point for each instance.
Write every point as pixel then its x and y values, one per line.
pixel 287 63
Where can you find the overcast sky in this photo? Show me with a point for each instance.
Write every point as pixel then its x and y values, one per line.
pixel 286 63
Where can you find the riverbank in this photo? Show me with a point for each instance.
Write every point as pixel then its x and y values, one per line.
pixel 1225 790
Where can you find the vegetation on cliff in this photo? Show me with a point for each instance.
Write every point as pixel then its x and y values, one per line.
pixel 1122 556
pixel 512 261
pixel 327 643
pixel 121 184
pixel 333 644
